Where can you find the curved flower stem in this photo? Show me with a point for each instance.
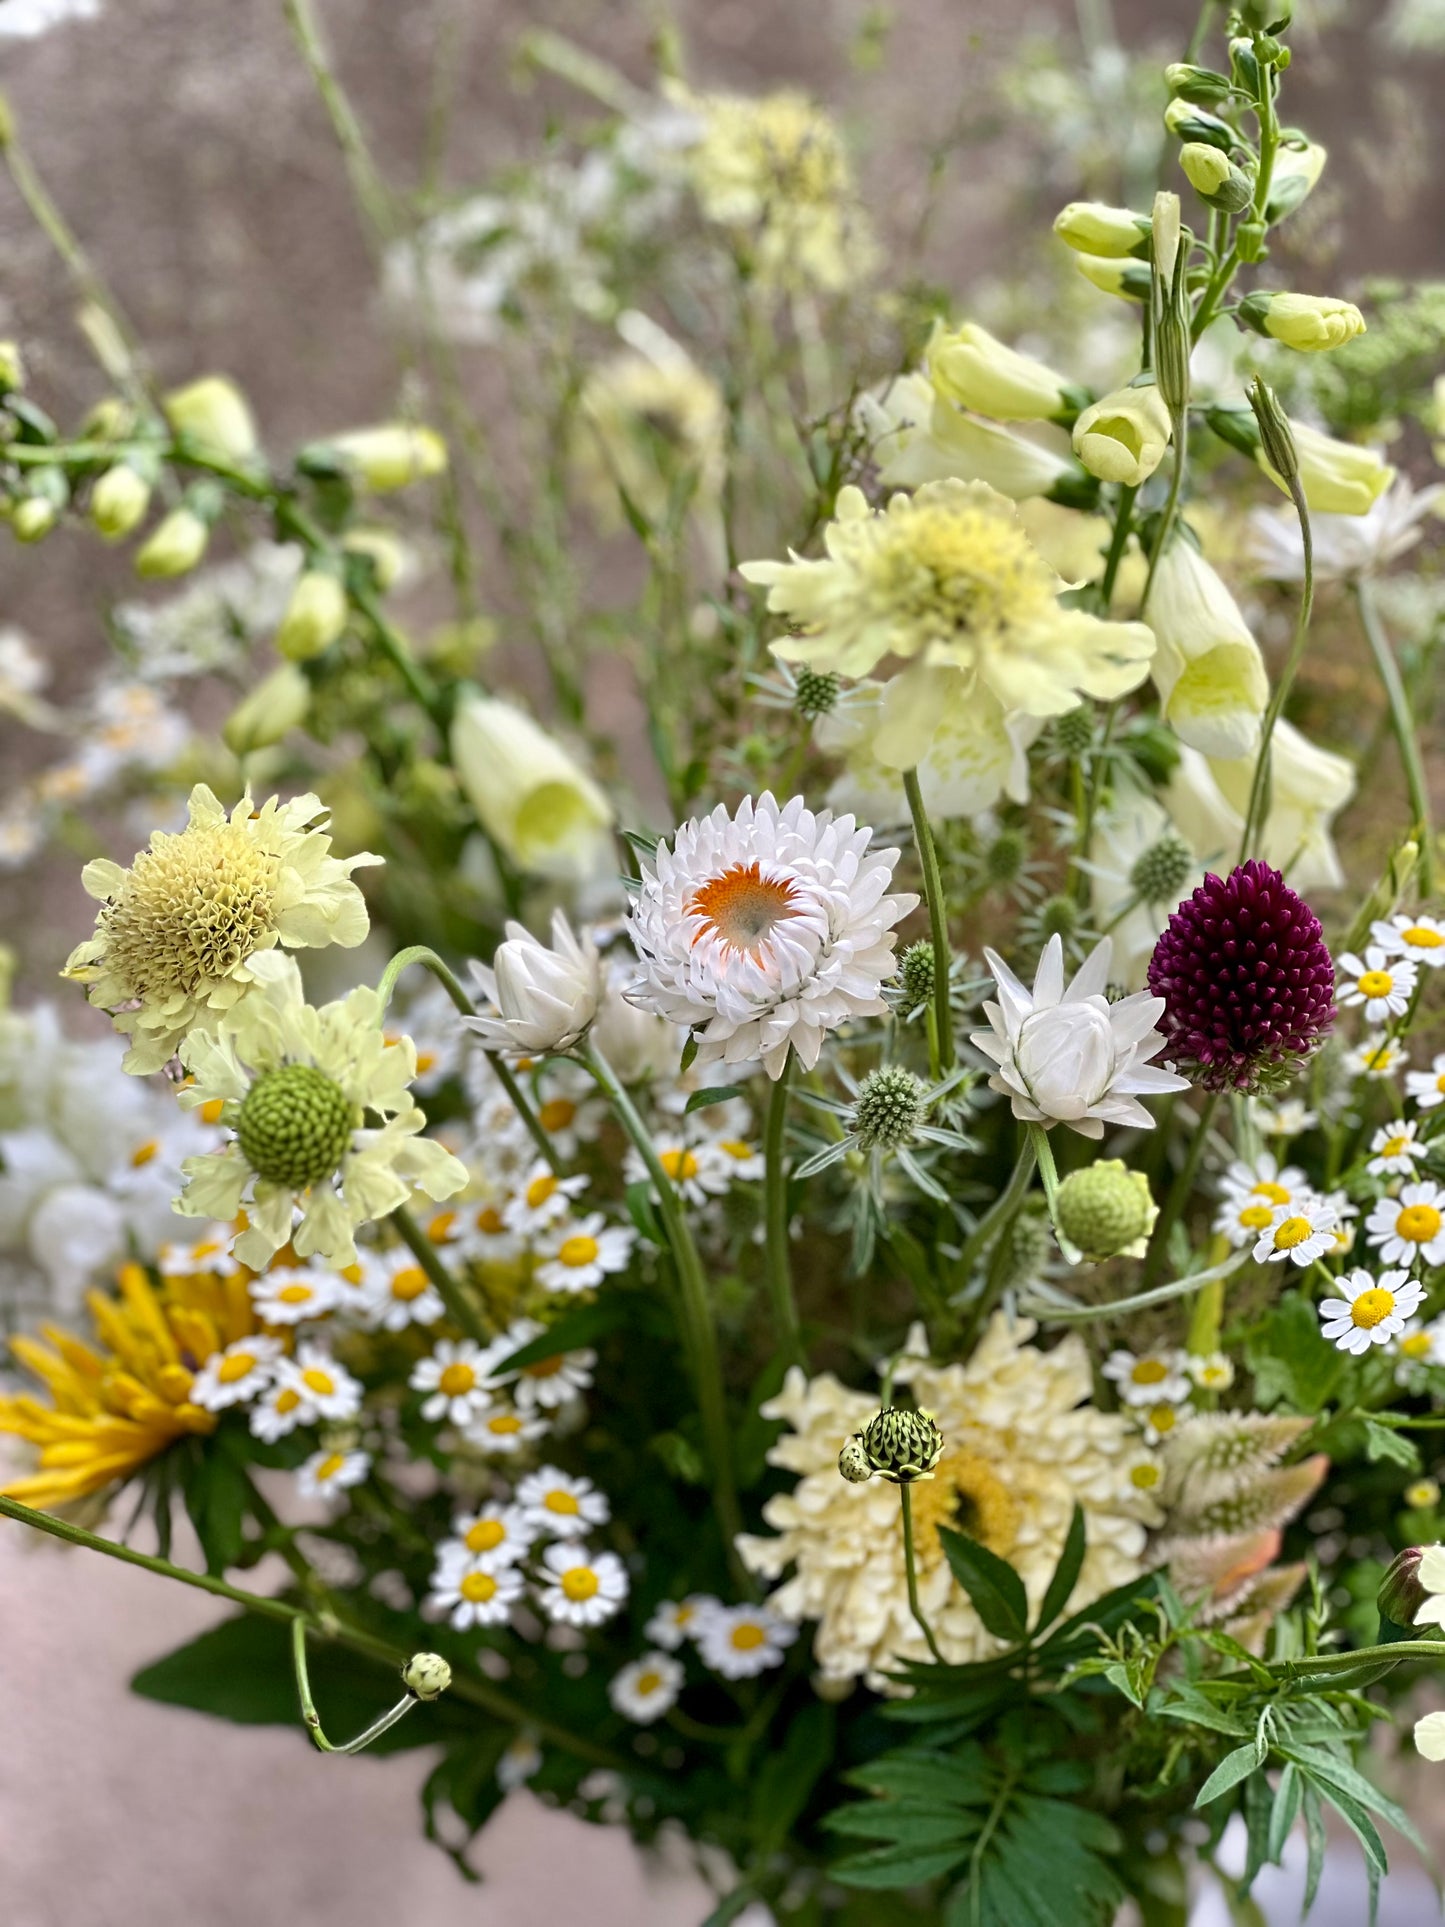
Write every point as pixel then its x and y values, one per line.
pixel 910 1568
pixel 698 1333
pixel 475 1691
pixel 1259 788
pixel 1179 1191
pixel 775 1220
pixel 1171 506
pixel 1000 1213
pixel 1361 1656
pixel 312 1719
pixel 1402 723
pixel 937 923
pixel 452 1296
pixel 505 1076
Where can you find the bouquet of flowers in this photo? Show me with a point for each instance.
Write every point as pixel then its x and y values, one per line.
pixel 900 1337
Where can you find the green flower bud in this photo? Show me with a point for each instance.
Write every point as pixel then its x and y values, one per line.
pixel 215 415
pixel 1058 917
pixel 1296 170
pixel 1276 442
pixel 1309 322
pixel 118 502
pixel 426 1676
pixel 381 548
pixel 294 1126
pixel 889 1108
pixel 391 456
pixel 916 970
pixel 315 616
pixel 277 704
pixel 1199 85
pixel 1266 16
pixel 1401 1594
pixel 12 368
pixel 902 1446
pixel 1189 123
pixel 853 1461
pixel 1005 858
pixel 1162 871
pixel 1215 178
pixel 32 518
pixel 1127 279
pixel 1106 1210
pixel 1249 238
pixel 1093 227
pixel 817 693
pixel 174 546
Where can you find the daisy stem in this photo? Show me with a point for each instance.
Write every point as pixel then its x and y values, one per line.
pixel 452 1296
pixel 429 960
pixel 475 1691
pixel 1259 788
pixel 312 1719
pixel 910 1568
pixel 775 1220
pixel 697 1326
pixel 1403 725
pixel 937 919
pixel 1179 1191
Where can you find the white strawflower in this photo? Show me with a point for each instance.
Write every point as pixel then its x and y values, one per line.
pixel 1420 938
pixel 1409 1227
pixel 1383 985
pixel 454 1377
pixel 290 1295
pixel 235 1375
pixel 554 1501
pixel 476 1594
pixel 1427 1087
pixel 646 1689
pixel 1394 1149
pixel 1065 1054
pixel 326 1389
pixel 1302 1230
pixel 742 1641
pixel 579 1253
pixel 676 1620
pixel 1151 1378
pixel 544 999
pixel 1372 1312
pixel 327 1474
pixel 766 930
pixel 581 1588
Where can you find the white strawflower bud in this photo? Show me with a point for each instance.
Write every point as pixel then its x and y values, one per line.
pixel 426 1676
pixel 391 456
pixel 315 616
pixel 545 1000
pixel 532 798
pixel 215 415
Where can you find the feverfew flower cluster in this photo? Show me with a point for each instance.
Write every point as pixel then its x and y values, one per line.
pixel 533 1546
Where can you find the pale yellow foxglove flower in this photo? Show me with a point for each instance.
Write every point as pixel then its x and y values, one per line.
pixel 174 547
pixel 920 437
pixel 968 366
pixel 391 456
pixel 278 703
pixel 1123 437
pixel 1308 322
pixel 1093 227
pixel 215 415
pixel 1208 670
pixel 1309 786
pixel 531 797
pixel 314 617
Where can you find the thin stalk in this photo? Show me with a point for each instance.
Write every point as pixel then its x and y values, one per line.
pixel 775 1221
pixel 1360 1656
pixel 1171 505
pixel 1123 522
pixel 1402 723
pixel 937 918
pixel 394 647
pixel 1259 787
pixel 1179 1191
pixel 452 1296
pixel 312 1719
pixel 910 1568
pixel 1000 1213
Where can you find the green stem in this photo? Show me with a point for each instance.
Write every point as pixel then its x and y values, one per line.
pixel 775 1220
pixel 394 647
pixel 1179 1191
pixel 1260 786
pixel 1402 723
pixel 1123 523
pixel 910 1568
pixel 937 919
pixel 1361 1656
pixel 1000 1213
pixel 312 1719
pixel 1171 505
pixel 452 1296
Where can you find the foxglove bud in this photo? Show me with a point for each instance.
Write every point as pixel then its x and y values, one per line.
pixel 1309 322
pixel 315 616
pixel 426 1676
pixel 175 546
pixel 118 501
pixel 1296 170
pixel 277 704
pixel 966 365
pixel 1189 123
pixel 33 517
pixel 215 415
pixel 902 1446
pixel 1093 227
pixel 1123 437
pixel 1106 1210
pixel 1338 478
pixel 12 368
pixel 1215 178
pixel 1127 279
pixel 1275 440
pixel 1199 85
pixel 388 457
pixel 381 549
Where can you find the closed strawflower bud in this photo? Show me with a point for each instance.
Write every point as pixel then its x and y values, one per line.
pixel 314 617
pixel 391 456
pixel 530 796
pixel 1130 280
pixel 277 704
pixel 174 546
pixel 1106 1210
pixel 901 1445
pixel 215 415
pixel 1338 478
pixel 1308 322
pixel 968 366
pixel 426 1676
pixel 1207 666
pixel 12 367
pixel 1093 227
pixel 542 1000
pixel 118 501
pixel 1123 437
pixel 1296 170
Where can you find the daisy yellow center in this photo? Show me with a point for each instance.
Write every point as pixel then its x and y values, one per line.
pixel 425 1061
pixel 1149 1371
pixel 647 1683
pixel 294 1126
pixel 287 1400
pixel 556 1114
pixel 485 1536
pixel 190 910
pixel 238 1366
pixel 735 1148
pixel 562 1502
pixel 1422 939
pixel 742 907
pixel 539 1190
pixel 456 1380
pixel 955 565
pixel 408 1283
pixel 1378 1060
pixel 1266 1188
pixel 1372 1307
pixel 439 1227
pixel 329 1467
pixel 1144 1477
pixel 579 1583
pixel 505 1425
pixel 1393 1146
pixel 478 1588
pixel 1163 1418
pixel 295 1295
pixel 678 1164
pixel 965 1493
pixel 1417 1345
pixel 578 1251
pixel 747 1637
pixel 544 1367
pixel 683 1615
pixel 489 1220
pixel 143 1154
pixel 1377 983
pixel 1292 1232
pixel 210 1111
pixel 315 1380
pixel 1255 1217
pixel 1418 1223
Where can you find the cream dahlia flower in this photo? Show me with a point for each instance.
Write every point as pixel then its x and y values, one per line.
pixel 1022 1448
pixel 766 930
pixel 295 1084
pixel 179 930
pixel 1065 1054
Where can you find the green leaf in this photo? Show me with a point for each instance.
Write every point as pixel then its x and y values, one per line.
pixel 1066 1573
pixel 217 1494
pixel 1384 1442
pixel 1107 1613
pixel 898 1866
pixel 689 1052
pixel 572 1333
pixel 1233 1768
pixel 1284 1812
pixel 1290 1361
pixel 962 1778
pixel 785 1781
pixel 643 1212
pixel 991 1583
pixel 1316 1838
pixel 716 1094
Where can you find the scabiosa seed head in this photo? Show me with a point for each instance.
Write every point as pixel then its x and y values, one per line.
pixel 1162 871
pixel 1247 983
pixel 817 692
pixel 889 1108
pixel 1074 731
pixel 916 971
pixel 1105 1209
pixel 902 1445
pixel 294 1126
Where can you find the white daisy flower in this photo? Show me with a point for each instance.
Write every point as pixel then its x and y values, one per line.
pixel 398 1293
pixel 580 1252
pixel 678 1619
pixel 1409 1227
pixel 278 1410
pixel 699 1171
pixel 766 930
pixel 1382 984
pixel 569 1108
pixel 1158 1421
pixel 1431 1574
pixel 289 1295
pixel 1376 1056
pixel 236 1374
pixel 1430 1730
pixel 646 1689
pixel 556 1502
pixel 1345 1214
pixel 1288 1117
pixel 501 1429
pixel 748 1163
pixel 1420 938
pixel 1251 1193
pixel 1422 1344
pixel 1374 1311
pixel 581 1588
pixel 1427 1087
pixel 327 1473
pixel 1153 1378
pixel 542 1200
pixel 475 1594
pixel 210 1255
pixel 547 1382
pixel 498 1535
pixel 455 1377
pixel 1064 1053
pixel 742 1641
pixel 445 1228
pixel 1211 1372
pixel 1145 1473
pixel 327 1389
pixel 1394 1149
pixel 1301 1231
pixel 485 1235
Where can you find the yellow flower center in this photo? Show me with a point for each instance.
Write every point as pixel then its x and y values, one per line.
pixel 315 1380
pixel 456 1380
pixel 504 1425
pixel 1377 983
pixel 647 1683
pixel 485 1536
pixel 1256 1217
pixel 408 1283
pixel 562 1502
pixel 966 1493
pixel 1393 1146
pixel 143 1153
pixel 735 1148
pixel 329 1467
pixel 1372 1307
pixel 1417 1345
pixel 1266 1188
pixel 1144 1477
pixel 1421 938
pixel 556 1114
pixel 238 1366
pixel 489 1221
pixel 539 1190
pixel 742 907
pixel 478 1587
pixel 210 1111
pixel 747 1636
pixel 679 1165
pixel 439 1226
pixel 579 1582
pixel 1292 1232
pixel 1163 1418
pixel 1149 1371
pixel 1440 1083
pixel 955 564
pixel 578 1251
pixel 295 1295
pixel 425 1061
pixel 287 1399
pixel 545 1367
pixel 1379 1059
pixel 1418 1223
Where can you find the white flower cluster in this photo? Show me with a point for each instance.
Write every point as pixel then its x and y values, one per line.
pixel 499 1407
pixel 532 1544
pixel 1155 1388
pixel 738 1642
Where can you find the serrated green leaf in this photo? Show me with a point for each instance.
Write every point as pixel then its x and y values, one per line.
pixel 1066 1573
pixel 963 1778
pixel 994 1587
pixel 1384 1443
pixel 1233 1768
pixel 897 1866
pixel 715 1094
pixel 907 1825
pixel 1108 1613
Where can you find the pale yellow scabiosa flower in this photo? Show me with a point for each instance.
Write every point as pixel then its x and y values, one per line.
pixel 180 930
pixel 1022 1447
pixel 946 579
pixel 295 1084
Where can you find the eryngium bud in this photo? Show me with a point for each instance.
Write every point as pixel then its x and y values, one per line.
pixel 817 692
pixel 917 971
pixel 1162 871
pixel 1275 435
pixel 426 1676
pixel 1105 1209
pixel 853 1461
pixel 902 1445
pixel 889 1108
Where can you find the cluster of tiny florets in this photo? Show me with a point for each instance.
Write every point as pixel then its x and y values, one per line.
pixel 294 1125
pixel 889 1108
pixel 1162 871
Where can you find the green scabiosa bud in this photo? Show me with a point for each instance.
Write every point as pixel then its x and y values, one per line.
pixel 916 970
pixel 1163 870
pixel 1106 1210
pixel 817 693
pixel 902 1446
pixel 853 1461
pixel 294 1125
pixel 426 1676
pixel 889 1108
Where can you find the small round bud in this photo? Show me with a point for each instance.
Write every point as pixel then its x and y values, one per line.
pixel 118 501
pixel 1006 856
pixel 1160 874
pixel 817 693
pixel 1074 731
pixel 1058 917
pixel 295 1125
pixel 426 1676
pixel 1106 1210
pixel 853 1461
pixel 917 973
pixel 32 518
pixel 902 1445
pixel 889 1108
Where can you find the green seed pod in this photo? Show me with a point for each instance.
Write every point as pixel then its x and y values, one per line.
pixel 889 1108
pixel 917 973
pixel 294 1125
